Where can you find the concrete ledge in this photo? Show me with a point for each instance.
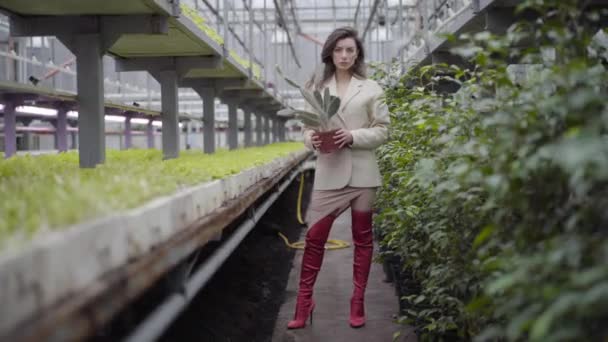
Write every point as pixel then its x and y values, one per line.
pixel 58 264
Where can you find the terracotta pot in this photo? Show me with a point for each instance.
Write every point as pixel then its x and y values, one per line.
pixel 328 144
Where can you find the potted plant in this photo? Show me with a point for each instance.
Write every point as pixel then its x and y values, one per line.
pixel 324 107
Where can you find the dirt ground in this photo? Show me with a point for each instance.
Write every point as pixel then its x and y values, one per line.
pixel 242 301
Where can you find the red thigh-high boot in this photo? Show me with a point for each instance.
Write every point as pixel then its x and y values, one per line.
pixel 311 264
pixel 363 241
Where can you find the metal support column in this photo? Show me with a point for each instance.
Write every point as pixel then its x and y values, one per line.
pixel 74 140
pixel 233 128
pixel 275 130
pixel 27 136
pixel 10 129
pixel 89 72
pixel 150 134
pixel 247 127
pixel 128 131
pixel 258 129
pixel 285 130
pixel 53 122
pixel 281 130
pixel 61 129
pixel 21 64
pixel 272 129
pixel 170 129
pixel 266 129
pixel 208 95
pixel 187 135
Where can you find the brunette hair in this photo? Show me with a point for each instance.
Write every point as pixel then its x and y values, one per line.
pixel 319 78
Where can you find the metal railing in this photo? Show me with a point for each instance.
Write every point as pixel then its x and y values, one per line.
pixel 247 44
pixel 433 15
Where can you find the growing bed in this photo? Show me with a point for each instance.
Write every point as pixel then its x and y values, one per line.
pixel 62 227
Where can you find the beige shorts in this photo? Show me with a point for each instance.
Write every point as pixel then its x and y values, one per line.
pixel 335 202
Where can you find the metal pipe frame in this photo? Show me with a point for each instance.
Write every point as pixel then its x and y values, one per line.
pixel 371 18
pixel 62 128
pixel 286 29
pixel 150 133
pixel 208 96
pixel 258 129
pixel 247 126
pixel 266 129
pixel 233 128
pixel 169 102
pixel 128 131
pixel 10 128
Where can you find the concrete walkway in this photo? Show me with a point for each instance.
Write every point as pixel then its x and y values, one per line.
pixel 332 296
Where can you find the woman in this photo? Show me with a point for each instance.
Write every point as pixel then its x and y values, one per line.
pixel 347 177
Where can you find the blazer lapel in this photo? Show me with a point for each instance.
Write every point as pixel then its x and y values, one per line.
pixel 332 86
pixel 354 87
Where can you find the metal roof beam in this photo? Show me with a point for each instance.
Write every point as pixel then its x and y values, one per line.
pixel 286 29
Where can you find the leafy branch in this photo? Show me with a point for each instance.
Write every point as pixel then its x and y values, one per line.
pixel 324 107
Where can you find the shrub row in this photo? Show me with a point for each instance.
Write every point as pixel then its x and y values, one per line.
pixel 494 202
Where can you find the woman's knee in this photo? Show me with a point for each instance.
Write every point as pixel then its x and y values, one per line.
pixel 320 231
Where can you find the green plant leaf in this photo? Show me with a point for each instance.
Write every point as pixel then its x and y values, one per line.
pixel 310 98
pixel 286 112
pixel 483 235
pixel 287 79
pixel 319 99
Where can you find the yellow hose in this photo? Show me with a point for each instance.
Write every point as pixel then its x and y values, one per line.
pixel 299 209
pixel 330 244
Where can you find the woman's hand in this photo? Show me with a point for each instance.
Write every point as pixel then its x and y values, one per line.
pixel 343 138
pixel 315 141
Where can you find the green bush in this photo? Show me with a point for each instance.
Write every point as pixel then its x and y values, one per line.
pixel 44 192
pixel 495 197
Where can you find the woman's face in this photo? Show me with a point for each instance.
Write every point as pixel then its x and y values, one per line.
pixel 345 54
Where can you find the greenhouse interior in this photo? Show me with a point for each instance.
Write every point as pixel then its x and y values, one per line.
pixel 215 170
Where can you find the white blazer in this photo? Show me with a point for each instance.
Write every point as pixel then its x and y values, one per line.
pixel 363 112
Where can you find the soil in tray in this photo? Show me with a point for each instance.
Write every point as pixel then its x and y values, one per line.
pixel 242 301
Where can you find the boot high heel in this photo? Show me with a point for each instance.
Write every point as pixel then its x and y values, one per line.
pixel 303 311
pixel 311 264
pixel 357 313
